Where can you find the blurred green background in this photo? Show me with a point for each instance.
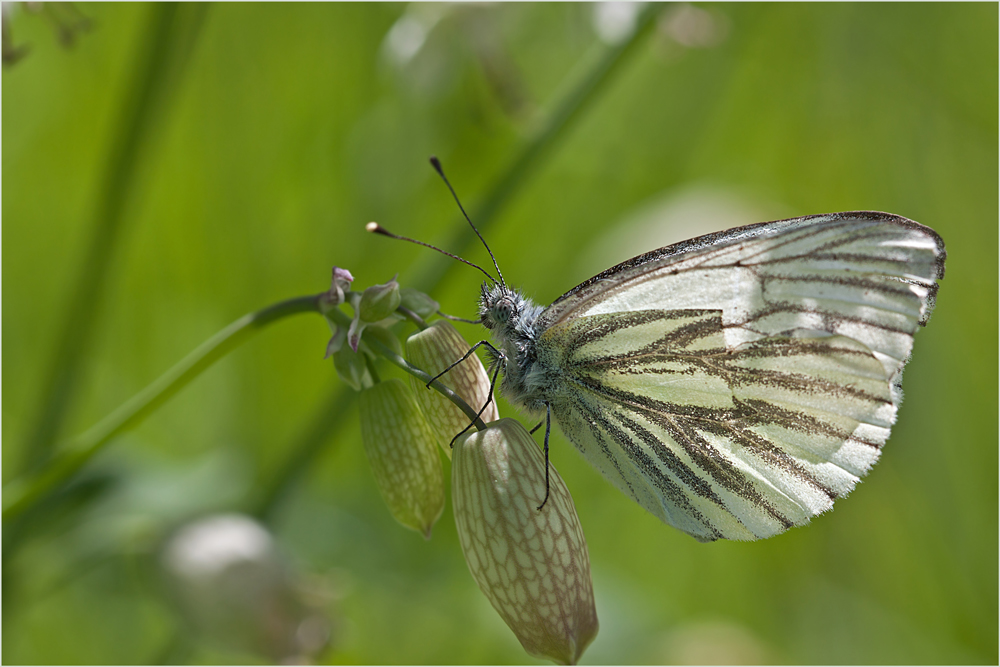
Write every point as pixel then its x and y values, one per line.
pixel 213 159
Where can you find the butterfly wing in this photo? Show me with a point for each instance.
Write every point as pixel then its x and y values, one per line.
pixel 736 384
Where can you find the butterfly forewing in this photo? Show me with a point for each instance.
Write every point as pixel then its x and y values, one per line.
pixel 735 385
pixel 869 276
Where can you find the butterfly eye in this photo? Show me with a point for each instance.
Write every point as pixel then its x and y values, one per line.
pixel 503 311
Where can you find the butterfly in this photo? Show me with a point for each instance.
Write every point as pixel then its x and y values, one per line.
pixel 736 384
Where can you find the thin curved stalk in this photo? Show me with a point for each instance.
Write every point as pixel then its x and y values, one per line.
pixel 19 495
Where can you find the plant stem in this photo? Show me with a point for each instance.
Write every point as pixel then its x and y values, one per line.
pixel 413 317
pixel 21 494
pixel 164 47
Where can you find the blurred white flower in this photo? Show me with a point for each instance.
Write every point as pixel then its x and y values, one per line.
pixel 408 34
pixel 614 22
pixel 233 588
pixel 694 27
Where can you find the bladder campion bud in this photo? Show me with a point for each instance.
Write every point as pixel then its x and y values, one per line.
pixel 351 367
pixel 418 302
pixel 532 564
pixel 400 447
pixel 379 301
pixel 433 350
pixel 375 304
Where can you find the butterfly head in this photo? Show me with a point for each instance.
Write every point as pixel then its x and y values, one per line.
pixel 498 307
pixel 503 310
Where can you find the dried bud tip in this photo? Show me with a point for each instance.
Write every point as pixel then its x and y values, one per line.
pixel 339 286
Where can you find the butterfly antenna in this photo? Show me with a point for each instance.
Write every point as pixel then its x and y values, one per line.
pixel 376 228
pixel 437 167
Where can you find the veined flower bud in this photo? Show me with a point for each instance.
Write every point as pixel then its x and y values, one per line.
pixel 400 448
pixel 379 301
pixel 532 564
pixel 433 350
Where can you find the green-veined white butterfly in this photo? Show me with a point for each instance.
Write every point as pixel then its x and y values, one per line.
pixel 736 384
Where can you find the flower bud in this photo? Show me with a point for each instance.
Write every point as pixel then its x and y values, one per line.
pixel 418 302
pixel 384 336
pixel 351 367
pixel 532 564
pixel 379 301
pixel 336 341
pixel 433 350
pixel 341 284
pixel 400 448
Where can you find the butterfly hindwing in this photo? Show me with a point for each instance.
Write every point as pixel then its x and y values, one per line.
pixel 738 443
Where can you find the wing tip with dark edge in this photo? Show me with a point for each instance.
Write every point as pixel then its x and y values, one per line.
pixel 735 233
pixel 940 254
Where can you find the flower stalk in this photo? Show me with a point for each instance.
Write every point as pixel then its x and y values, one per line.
pixel 23 493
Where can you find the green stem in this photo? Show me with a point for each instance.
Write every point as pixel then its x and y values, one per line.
pixel 21 494
pixel 163 50
pixel 372 371
pixel 413 317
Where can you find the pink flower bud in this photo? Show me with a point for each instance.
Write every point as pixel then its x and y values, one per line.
pixel 400 448
pixel 532 564
pixel 433 350
pixel 340 284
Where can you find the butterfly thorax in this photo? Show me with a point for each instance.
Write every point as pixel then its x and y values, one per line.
pixel 511 318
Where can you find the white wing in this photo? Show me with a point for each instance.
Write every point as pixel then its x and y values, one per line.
pixel 736 384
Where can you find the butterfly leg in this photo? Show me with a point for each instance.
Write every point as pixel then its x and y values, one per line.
pixel 548 428
pixel 481 410
pixel 464 357
pixel 537 426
